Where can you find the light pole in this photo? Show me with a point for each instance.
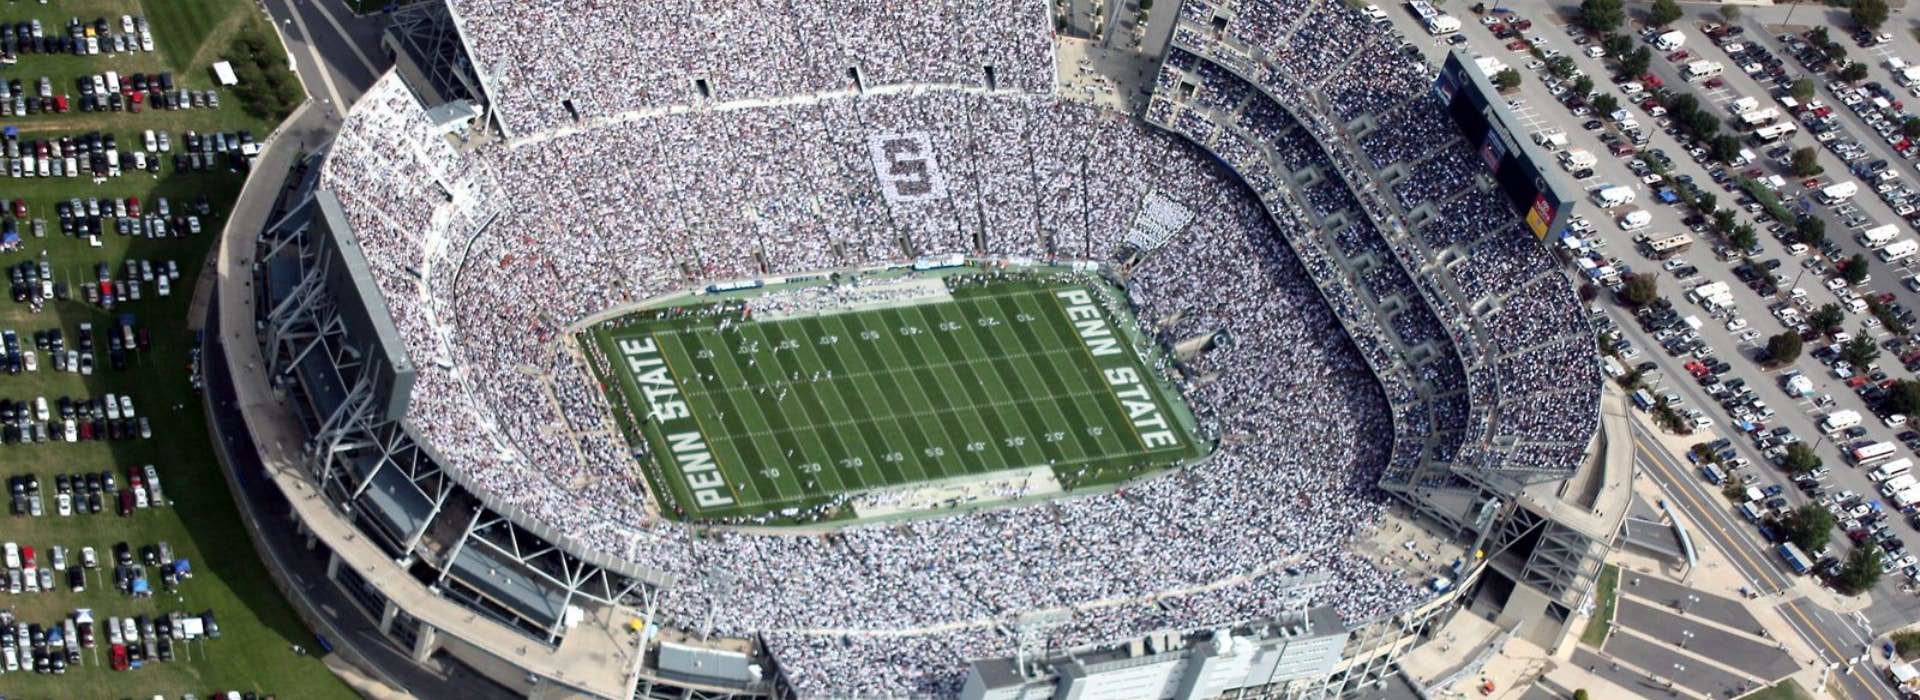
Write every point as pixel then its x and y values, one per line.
pixel 1685 636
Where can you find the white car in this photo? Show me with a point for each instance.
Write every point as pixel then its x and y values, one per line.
pixel 1737 324
pixel 1674 264
pixel 13 555
pixel 40 411
pixel 126 24
pixel 126 406
pixel 152 142
pixel 63 504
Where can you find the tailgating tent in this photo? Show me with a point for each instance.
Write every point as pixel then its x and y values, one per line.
pixel 141 587
pixel 182 569
pixel 224 71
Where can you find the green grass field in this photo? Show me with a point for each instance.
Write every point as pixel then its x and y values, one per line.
pixel 259 628
pixel 755 416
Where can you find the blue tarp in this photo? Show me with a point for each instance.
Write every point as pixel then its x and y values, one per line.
pixel 181 568
pixel 1668 196
pixel 140 586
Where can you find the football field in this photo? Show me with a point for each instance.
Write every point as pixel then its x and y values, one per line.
pixel 748 414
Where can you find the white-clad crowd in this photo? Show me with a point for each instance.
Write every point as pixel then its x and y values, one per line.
pixel 546 63
pixel 1533 384
pixel 487 259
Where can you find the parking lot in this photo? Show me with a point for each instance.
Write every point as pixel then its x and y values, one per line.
pixel 1731 336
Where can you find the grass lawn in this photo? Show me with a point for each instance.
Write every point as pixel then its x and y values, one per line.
pixel 258 627
pixel 756 413
pixel 1604 600
pixel 1784 690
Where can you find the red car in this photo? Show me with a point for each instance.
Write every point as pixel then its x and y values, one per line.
pixel 1716 83
pixel 26 559
pixel 119 657
pixel 19 208
pixel 1651 81
pixel 133 206
pixel 1679 56
pixel 1518 45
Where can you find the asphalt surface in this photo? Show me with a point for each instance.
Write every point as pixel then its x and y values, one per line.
pixel 336 53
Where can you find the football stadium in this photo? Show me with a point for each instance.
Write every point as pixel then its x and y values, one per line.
pixel 983 349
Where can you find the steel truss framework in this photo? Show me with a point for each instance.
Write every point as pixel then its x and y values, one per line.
pixel 424 34
pixel 352 444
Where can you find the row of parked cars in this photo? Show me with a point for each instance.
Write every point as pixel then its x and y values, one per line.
pixel 99 156
pixel 131 641
pixel 90 492
pixel 82 38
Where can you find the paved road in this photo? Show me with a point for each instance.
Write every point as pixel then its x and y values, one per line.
pixel 337 54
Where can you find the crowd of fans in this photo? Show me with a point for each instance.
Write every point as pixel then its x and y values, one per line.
pixel 489 259
pixel 1535 383
pixel 549 63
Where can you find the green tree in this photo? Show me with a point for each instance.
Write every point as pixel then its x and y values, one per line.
pixel 1820 36
pixel 1706 202
pixel 1617 44
pixel 1506 80
pixel 1664 12
pixel 1606 103
pixel 1730 13
pixel 1869 13
pixel 1800 459
pixel 1903 396
pixel 1860 352
pixel 1911 128
pixel 1802 89
pixel 1826 318
pixel 1862 569
pixel 1723 220
pixel 1784 348
pixel 1603 15
pixel 1806 160
pixel 1641 289
pixel 1560 66
pixel 1683 106
pixel 1810 230
pixel 1810 527
pixel 266 88
pixel 1726 148
pixel 1583 86
pixel 1907 643
pixel 1636 62
pixel 1854 270
pixel 1854 72
pixel 1703 124
pixel 1836 52
pixel 1743 237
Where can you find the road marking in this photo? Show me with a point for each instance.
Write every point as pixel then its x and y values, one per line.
pixel 313 53
pixel 1707 521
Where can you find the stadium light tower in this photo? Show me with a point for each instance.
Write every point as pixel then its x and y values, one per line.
pixel 720 583
pixel 1032 630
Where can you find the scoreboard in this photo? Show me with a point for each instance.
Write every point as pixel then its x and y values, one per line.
pixel 1485 121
